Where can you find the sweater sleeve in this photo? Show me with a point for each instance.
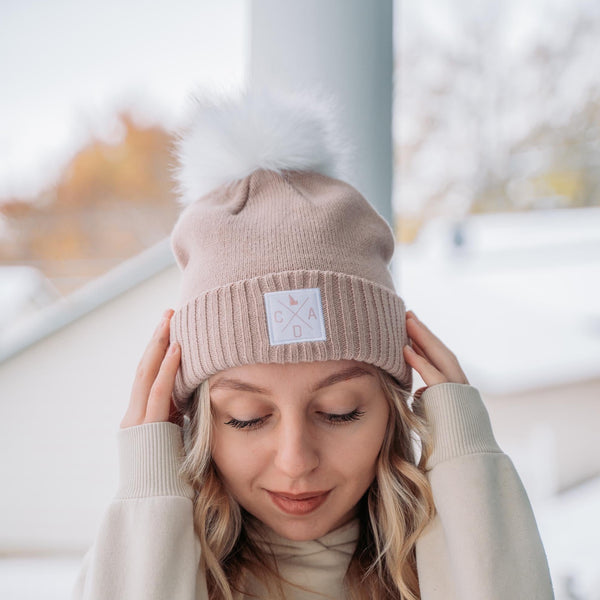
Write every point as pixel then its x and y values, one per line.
pixel 483 542
pixel 146 547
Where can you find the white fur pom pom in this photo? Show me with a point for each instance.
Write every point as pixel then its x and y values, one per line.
pixel 227 138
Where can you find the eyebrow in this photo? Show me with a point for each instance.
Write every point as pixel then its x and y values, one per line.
pixel 242 386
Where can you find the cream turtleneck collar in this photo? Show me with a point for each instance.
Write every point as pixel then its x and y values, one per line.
pixel 318 564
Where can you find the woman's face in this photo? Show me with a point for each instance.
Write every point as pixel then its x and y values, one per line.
pixel 296 444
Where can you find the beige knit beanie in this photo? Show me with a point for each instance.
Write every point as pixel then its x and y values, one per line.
pixel 282 260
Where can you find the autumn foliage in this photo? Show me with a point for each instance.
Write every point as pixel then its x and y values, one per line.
pixel 110 202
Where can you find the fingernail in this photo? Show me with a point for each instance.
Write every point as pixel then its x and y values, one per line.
pixel 409 348
pixel 173 347
pixel 167 313
pixel 412 314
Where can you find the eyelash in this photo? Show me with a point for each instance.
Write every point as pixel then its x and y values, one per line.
pixel 332 419
pixel 355 415
pixel 252 424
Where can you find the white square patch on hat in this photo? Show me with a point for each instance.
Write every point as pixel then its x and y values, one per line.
pixel 295 316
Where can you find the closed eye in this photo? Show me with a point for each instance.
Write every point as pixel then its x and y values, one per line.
pixel 335 419
pixel 331 418
pixel 251 424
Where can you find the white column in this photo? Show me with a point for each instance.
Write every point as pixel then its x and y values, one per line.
pixel 346 48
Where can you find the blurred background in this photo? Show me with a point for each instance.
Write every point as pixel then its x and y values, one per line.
pixel 478 134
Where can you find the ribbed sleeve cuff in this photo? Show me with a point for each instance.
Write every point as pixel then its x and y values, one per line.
pixel 149 459
pixel 458 421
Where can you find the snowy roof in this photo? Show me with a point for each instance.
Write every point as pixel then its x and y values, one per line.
pixel 518 301
pixel 22 290
pixel 64 310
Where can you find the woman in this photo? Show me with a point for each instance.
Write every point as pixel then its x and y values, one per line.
pixel 269 449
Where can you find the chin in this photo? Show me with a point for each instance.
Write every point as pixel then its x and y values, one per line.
pixel 302 530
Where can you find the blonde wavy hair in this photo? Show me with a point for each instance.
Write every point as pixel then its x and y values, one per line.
pixel 392 513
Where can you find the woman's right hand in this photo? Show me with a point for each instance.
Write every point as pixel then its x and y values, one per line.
pixel 151 394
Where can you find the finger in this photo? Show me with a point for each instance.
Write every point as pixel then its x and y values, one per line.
pixel 438 354
pixel 416 346
pixel 419 350
pixel 148 368
pixel 159 400
pixel 426 370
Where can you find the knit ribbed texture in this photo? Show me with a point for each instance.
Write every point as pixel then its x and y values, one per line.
pixel 227 327
pixel 273 232
pixel 270 223
pixel 149 458
pixel 458 421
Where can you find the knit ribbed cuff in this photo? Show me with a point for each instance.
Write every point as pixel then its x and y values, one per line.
pixel 458 421
pixel 149 459
pixel 227 327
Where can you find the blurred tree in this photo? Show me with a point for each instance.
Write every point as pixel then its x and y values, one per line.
pixel 132 171
pixel 110 203
pixel 496 108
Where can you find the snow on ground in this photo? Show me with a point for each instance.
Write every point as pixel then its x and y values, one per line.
pixel 570 528
pixel 38 578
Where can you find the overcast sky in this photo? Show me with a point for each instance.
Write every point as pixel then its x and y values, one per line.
pixel 66 66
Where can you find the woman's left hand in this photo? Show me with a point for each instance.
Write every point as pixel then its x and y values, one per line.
pixel 434 362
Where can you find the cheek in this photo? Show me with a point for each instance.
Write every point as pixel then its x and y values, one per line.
pixel 358 458
pixel 236 462
pixel 223 455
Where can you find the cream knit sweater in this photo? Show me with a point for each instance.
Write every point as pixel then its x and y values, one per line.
pixel 482 545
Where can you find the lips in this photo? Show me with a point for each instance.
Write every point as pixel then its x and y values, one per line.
pixel 303 496
pixel 298 504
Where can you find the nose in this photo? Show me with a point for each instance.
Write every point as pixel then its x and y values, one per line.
pixel 297 453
